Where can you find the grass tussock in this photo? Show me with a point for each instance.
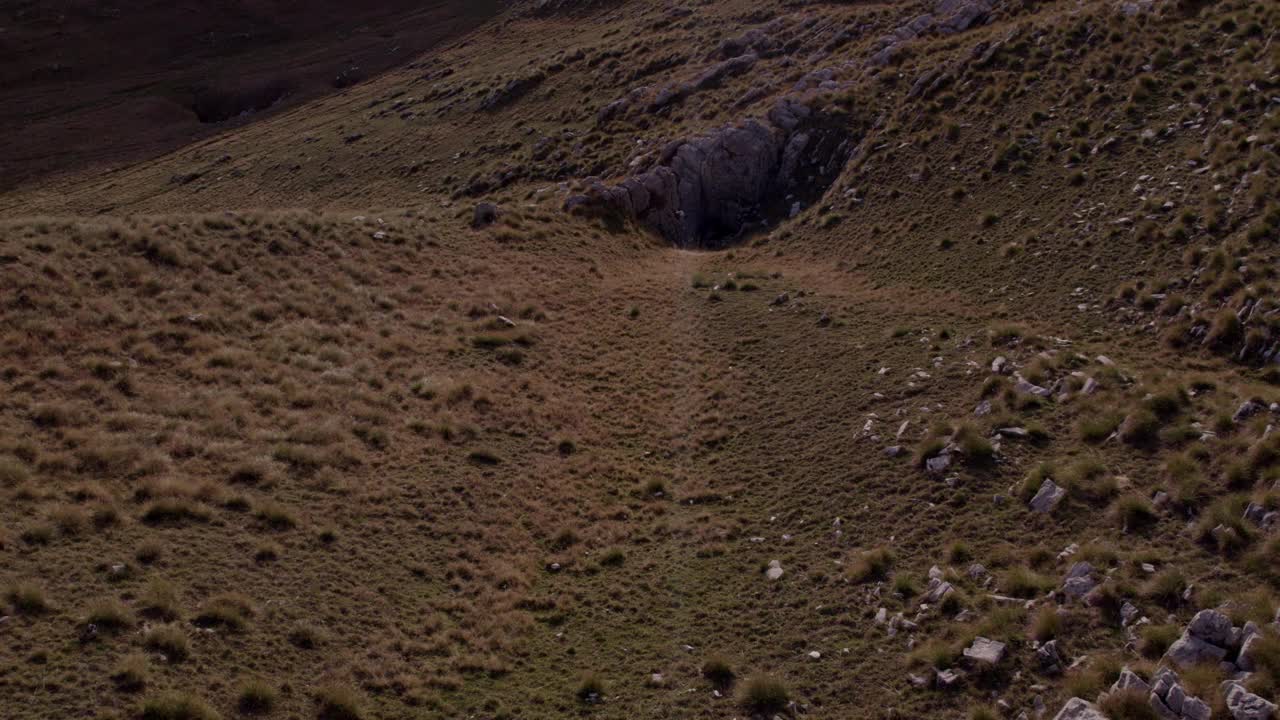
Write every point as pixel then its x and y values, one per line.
pixel 255 697
pixel 131 673
pixel 764 694
pixel 871 565
pixel 27 598
pixel 170 641
pixel 177 705
pixel 338 702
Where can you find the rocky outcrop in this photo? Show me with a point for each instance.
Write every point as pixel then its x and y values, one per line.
pixel 1205 640
pixel 948 17
pixel 1077 709
pixel 513 90
pixel 1244 705
pixel 704 192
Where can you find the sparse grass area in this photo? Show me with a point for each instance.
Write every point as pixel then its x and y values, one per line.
pixel 372 462
pixel 338 702
pixel 27 598
pixel 176 705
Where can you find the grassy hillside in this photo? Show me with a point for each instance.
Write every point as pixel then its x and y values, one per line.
pixel 286 433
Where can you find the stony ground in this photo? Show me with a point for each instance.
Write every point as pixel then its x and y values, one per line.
pixel 385 407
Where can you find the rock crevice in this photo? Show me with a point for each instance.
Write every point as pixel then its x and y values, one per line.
pixel 706 192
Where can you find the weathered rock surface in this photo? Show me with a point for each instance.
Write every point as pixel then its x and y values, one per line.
pixel 1212 626
pixel 1079 581
pixel 1048 497
pixel 1049 658
pixel 1190 650
pixel 1244 705
pixel 1078 709
pixel 983 650
pixel 706 190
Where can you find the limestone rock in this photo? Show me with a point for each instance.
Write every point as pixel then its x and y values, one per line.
pixel 1049 658
pixel 1079 581
pixel 1249 652
pixel 983 650
pixel 1048 497
pixel 948 678
pixel 1129 680
pixel 1190 650
pixel 1244 705
pixel 1193 708
pixel 938 589
pixel 1078 709
pixel 1212 627
pixel 1247 409
pixel 938 464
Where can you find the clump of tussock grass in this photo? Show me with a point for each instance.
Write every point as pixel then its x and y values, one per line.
pixel 871 565
pixel 1165 588
pixel 1224 528
pixel 590 688
pixel 255 697
pixel 1154 640
pixel 168 640
pixel 764 694
pixel 177 705
pixel 718 670
pixel 1087 479
pixel 1134 513
pixel 1024 583
pixel 27 598
pixel 1046 624
pixel 305 637
pixel 159 600
pixel 230 610
pixel 338 702
pixel 130 674
pixel 109 614
pixel 275 515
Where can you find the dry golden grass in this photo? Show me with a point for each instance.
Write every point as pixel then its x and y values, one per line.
pixel 301 455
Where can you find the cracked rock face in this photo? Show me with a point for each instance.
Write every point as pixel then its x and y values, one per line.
pixel 704 192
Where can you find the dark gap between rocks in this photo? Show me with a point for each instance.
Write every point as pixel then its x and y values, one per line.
pixel 720 189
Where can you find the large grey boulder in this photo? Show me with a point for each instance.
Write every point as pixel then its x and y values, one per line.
pixel 986 651
pixel 1249 652
pixel 1244 705
pixel 1213 627
pixel 1129 680
pixel 1079 580
pixel 1048 497
pixel 1078 709
pixel 1190 650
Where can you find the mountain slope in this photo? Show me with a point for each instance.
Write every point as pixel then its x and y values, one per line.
pixel 384 406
